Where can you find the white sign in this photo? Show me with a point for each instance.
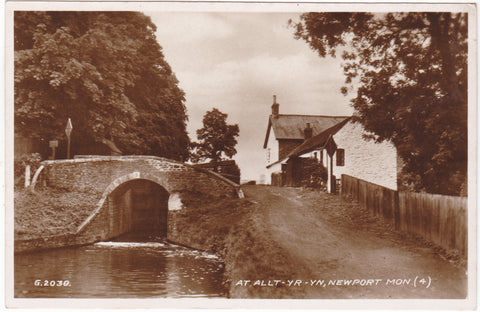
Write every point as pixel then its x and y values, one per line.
pixel 68 129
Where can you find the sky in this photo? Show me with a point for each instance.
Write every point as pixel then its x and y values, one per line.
pixel 236 62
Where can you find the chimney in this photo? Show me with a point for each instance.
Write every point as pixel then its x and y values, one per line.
pixel 275 107
pixel 307 132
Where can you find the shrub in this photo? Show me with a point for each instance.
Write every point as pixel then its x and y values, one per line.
pixel 313 174
pixel 21 162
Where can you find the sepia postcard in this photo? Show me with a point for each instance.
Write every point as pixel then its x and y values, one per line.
pixel 173 155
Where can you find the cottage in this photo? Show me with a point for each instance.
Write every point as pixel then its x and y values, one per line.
pixel 294 142
pixel 287 132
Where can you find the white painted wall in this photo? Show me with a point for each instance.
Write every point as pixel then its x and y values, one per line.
pixel 367 160
pixel 271 152
pixel 271 156
pixel 174 202
pixel 314 154
pixel 272 169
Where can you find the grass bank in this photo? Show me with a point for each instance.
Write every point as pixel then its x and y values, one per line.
pixel 227 227
pixel 49 212
pixel 230 228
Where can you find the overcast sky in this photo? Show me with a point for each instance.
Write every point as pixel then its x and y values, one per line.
pixel 236 62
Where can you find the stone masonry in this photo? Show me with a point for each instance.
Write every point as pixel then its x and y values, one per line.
pixel 102 179
pixel 101 173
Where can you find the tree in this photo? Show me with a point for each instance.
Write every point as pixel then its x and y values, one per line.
pixel 411 73
pixel 104 70
pixel 216 138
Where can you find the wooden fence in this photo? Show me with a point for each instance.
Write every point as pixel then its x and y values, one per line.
pixel 438 218
pixel 277 179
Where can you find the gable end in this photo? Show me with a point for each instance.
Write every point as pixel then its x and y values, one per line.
pixel 269 127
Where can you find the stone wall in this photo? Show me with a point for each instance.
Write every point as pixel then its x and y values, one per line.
pixel 116 184
pixel 94 175
pixel 139 205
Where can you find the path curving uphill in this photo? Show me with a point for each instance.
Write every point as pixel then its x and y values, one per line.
pixel 338 251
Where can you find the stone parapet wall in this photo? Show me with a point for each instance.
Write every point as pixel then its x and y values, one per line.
pixel 95 174
pixel 98 177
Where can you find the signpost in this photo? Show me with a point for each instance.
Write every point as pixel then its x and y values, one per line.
pixel 331 147
pixel 53 144
pixel 68 131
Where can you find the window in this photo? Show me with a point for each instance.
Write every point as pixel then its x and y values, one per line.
pixel 340 157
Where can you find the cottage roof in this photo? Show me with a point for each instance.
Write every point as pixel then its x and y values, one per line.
pixel 290 127
pixel 318 141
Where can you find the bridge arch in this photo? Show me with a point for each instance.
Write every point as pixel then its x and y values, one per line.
pixel 130 177
pixel 136 203
pixel 103 178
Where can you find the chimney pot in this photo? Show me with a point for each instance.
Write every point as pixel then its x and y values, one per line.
pixel 307 132
pixel 275 107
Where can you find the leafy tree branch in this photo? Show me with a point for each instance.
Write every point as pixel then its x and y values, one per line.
pixel 411 73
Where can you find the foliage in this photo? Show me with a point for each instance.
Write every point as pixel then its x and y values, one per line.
pixel 231 172
pixel 104 70
pixel 313 174
pixel 411 72
pixel 20 162
pixel 216 138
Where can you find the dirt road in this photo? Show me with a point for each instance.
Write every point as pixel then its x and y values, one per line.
pixel 334 243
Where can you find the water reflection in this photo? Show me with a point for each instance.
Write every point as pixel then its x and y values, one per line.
pixel 119 270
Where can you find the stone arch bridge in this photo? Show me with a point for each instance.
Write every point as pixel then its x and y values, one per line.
pixel 130 193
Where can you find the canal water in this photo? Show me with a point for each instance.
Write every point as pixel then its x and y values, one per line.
pixel 119 269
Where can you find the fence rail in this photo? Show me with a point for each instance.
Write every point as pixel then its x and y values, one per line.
pixel 438 218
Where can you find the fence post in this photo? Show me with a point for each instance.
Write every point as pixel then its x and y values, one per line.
pixel 333 185
pixel 27 176
pixel 357 196
pixel 396 210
